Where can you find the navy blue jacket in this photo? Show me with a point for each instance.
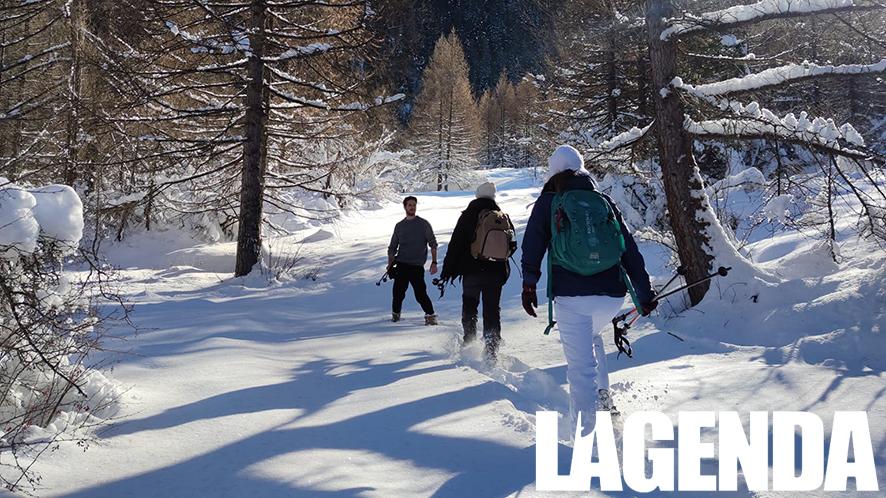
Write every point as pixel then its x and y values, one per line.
pixel 567 283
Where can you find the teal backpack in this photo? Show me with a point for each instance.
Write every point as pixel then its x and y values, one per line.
pixel 586 239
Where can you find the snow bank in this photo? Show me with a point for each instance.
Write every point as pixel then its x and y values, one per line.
pixel 18 227
pixel 778 208
pixel 59 212
pixel 790 297
pixel 821 313
pixel 53 212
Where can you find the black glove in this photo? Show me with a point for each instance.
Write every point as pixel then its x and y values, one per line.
pixel 647 308
pixel 530 300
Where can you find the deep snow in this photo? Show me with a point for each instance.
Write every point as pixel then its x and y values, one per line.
pixel 237 387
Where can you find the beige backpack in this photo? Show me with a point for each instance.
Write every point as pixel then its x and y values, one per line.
pixel 495 238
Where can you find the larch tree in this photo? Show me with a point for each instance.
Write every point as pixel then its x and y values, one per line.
pixel 242 93
pixel 445 123
pixel 510 119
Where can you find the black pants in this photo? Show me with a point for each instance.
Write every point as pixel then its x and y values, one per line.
pixel 414 275
pixel 485 286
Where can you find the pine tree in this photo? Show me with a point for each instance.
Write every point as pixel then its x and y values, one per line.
pixel 445 125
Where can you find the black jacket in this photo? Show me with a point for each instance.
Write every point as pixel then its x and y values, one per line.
pixel 458 260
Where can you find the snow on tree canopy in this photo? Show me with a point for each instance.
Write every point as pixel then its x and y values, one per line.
pixel 53 211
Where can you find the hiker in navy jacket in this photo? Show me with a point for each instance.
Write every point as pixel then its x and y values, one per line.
pixel 584 305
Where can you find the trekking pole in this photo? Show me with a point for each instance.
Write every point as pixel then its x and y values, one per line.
pixel 622 326
pixel 441 285
pixel 721 272
pixel 680 271
pixel 383 279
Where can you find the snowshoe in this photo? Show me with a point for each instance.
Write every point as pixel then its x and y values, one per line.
pixel 430 319
pixel 605 403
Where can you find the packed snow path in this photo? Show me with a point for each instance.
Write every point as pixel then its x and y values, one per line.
pixel 237 388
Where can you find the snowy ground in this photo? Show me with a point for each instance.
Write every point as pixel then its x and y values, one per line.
pixel 238 388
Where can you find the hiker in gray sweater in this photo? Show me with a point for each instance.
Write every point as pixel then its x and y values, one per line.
pixel 407 254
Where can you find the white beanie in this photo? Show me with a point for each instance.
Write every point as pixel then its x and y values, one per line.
pixel 564 158
pixel 486 190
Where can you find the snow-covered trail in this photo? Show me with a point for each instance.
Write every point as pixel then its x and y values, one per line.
pixel 306 389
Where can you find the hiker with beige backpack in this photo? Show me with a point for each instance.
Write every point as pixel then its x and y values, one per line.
pixel 482 241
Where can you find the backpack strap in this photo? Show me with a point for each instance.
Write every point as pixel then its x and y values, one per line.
pixel 630 286
pixel 551 322
pixel 621 268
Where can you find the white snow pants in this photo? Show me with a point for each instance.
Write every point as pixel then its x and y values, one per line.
pixel 582 320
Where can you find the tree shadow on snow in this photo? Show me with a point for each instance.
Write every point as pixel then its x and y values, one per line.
pixel 479 468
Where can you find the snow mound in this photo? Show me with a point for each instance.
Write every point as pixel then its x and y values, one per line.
pixel 18 227
pixel 318 236
pixel 53 212
pixel 821 312
pixel 59 212
pixel 806 262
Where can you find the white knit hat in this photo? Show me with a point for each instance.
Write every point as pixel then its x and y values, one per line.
pixel 564 158
pixel 486 191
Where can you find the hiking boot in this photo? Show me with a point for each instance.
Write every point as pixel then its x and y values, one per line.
pixel 430 319
pixel 491 354
pixel 491 349
pixel 395 317
pixel 605 403
pixel 470 327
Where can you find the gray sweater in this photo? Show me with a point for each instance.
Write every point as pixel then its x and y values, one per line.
pixel 410 241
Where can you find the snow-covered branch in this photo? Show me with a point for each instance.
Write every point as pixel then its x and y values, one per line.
pixel 818 133
pixel 761 11
pixel 624 139
pixel 778 76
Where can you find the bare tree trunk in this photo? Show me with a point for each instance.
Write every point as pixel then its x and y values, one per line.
pixel 678 168
pixel 72 126
pixel 252 179
pixel 832 229
pixel 449 140
pixel 778 168
pixel 4 139
pixel 149 205
pixel 816 88
pixel 611 79
pixel 440 149
pixel 854 101
pixel 642 86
